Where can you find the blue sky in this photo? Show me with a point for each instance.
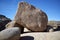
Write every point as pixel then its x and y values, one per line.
pixel 50 7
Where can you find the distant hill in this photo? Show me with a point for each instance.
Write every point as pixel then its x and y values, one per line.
pixel 54 23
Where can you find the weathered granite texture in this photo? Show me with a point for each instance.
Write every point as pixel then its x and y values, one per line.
pixel 30 17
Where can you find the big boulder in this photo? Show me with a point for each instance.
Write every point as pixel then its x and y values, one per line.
pixel 30 17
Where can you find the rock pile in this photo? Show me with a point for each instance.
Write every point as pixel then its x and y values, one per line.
pixel 53 26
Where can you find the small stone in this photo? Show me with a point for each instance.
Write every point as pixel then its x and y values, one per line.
pixel 51 30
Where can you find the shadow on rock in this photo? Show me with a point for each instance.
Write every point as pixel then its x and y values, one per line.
pixel 27 38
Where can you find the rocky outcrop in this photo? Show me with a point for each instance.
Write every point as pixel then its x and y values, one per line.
pixel 30 17
pixel 3 21
pixel 41 36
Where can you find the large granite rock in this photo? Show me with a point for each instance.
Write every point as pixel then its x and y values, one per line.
pixel 41 36
pixel 30 17
pixel 10 34
pixel 3 21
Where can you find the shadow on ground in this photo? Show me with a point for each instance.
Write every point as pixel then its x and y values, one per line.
pixel 27 38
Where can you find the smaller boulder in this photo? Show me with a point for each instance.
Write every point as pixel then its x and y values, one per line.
pixel 14 24
pixel 3 21
pixel 10 34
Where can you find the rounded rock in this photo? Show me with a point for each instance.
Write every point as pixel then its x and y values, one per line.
pixel 31 17
pixel 10 34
